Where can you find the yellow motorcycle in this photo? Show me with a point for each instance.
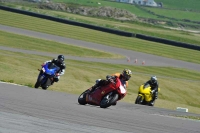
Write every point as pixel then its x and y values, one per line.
pixel 144 96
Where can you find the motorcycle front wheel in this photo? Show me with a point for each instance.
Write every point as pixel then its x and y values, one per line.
pixel 138 100
pixel 39 81
pixel 108 100
pixel 82 98
pixel 47 84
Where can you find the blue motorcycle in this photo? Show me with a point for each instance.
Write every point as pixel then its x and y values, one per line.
pixel 46 75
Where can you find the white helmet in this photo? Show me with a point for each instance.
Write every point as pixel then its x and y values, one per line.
pixel 153 79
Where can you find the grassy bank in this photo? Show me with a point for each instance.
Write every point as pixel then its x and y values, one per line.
pixel 176 90
pixel 29 43
pixel 41 25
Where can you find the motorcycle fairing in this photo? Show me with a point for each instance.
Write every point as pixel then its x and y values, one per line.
pixel 49 71
pixel 122 89
pixel 146 93
pixel 96 96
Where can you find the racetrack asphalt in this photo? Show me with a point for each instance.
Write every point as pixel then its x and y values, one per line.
pixel 28 110
pixel 150 60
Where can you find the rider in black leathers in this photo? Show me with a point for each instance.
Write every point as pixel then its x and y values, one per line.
pixel 154 87
pixel 60 63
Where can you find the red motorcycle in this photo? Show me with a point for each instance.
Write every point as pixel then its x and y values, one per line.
pixel 104 96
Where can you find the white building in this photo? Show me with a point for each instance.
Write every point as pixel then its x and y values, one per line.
pixel 125 1
pixel 140 2
pixel 145 2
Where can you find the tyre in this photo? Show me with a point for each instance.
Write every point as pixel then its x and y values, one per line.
pixel 138 100
pixel 151 103
pixel 39 81
pixel 114 104
pixel 82 98
pixel 46 85
pixel 108 100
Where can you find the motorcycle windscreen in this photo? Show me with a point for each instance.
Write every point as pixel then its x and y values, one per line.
pixel 52 66
pixel 122 86
pixel 50 71
pixel 122 89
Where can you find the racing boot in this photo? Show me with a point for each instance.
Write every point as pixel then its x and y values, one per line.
pixel 155 96
pixel 52 82
pixel 152 103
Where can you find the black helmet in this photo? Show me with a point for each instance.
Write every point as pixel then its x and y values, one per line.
pixel 126 73
pixel 61 58
pixel 153 79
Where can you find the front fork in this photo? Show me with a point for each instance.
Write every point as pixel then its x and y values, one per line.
pixel 142 98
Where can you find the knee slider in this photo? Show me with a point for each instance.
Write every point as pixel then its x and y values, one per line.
pixel 56 79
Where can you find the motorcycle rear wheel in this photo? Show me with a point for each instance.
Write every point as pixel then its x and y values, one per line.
pixel 38 83
pixel 107 102
pixel 82 98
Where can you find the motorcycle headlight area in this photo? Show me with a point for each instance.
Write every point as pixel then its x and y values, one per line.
pixel 49 73
pixel 43 69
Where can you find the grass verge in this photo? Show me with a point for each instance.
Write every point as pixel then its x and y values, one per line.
pixel 187 117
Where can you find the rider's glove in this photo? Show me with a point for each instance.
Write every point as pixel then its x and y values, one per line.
pixel 108 77
pixel 43 64
pixel 57 74
pixel 152 92
pixel 111 79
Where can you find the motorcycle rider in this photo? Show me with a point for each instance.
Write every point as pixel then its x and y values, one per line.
pixel 124 77
pixel 60 63
pixel 154 87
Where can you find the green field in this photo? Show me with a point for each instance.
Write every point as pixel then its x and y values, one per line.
pixel 139 11
pixel 177 14
pixel 177 4
pixel 181 4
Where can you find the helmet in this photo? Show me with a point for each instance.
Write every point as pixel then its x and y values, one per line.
pixel 153 79
pixel 61 58
pixel 126 73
